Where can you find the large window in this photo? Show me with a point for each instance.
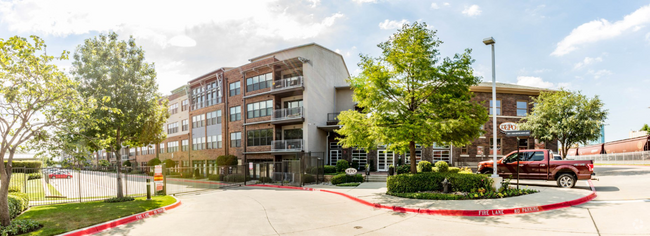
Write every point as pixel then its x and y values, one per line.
pixel 261 137
pixel 184 105
pixel 172 146
pixel 214 117
pixel 498 146
pixel 197 121
pixel 198 143
pixel 522 108
pixel 172 128
pixel 235 113
pixel 186 144
pixel 259 82
pixel 360 156
pixel 235 139
pixel 498 107
pixel 259 109
pixel 235 88
pixel 173 109
pixel 212 142
pixel 186 125
pixel 293 133
pixel 161 147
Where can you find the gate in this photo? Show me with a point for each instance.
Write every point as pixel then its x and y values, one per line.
pixel 306 169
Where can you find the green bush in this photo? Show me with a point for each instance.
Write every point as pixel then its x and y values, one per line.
pixel 154 162
pixel 26 164
pixel 341 165
pixel 430 196
pixel 424 166
pixel 119 199
pixel 330 169
pixel 227 160
pixel 15 189
pixel 235 178
pixel 34 176
pixel 104 163
pixel 197 173
pixel 169 163
pixel 126 163
pixel 308 179
pixel 343 178
pixel 453 170
pixel 265 179
pixel 18 202
pixel 136 171
pixel 432 181
pixel 403 169
pixel 17 227
pixel 442 166
pixel 215 177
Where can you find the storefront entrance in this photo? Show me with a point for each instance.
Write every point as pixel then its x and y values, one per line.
pixel 385 158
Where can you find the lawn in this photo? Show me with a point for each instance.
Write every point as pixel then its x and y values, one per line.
pixel 57 219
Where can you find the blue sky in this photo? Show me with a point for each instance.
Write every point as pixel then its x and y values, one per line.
pixel 598 47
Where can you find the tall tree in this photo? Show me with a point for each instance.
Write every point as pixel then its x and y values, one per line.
pixel 645 128
pixel 566 116
pixel 409 95
pixel 114 72
pixel 35 97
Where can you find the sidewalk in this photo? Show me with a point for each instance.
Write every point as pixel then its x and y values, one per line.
pixel 375 192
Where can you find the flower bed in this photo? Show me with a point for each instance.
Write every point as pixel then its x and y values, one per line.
pixel 464 196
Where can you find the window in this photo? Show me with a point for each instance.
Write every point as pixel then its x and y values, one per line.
pixel 418 156
pixel 197 121
pixel 161 147
pixel 235 113
pixel 184 105
pixel 151 150
pixel 172 128
pixel 480 151
pixel 498 107
pixel 198 143
pixel 212 142
pixel 360 156
pixel 186 125
pixel 235 139
pixel 260 109
pixel 172 147
pixel 523 144
pixel 132 152
pixel 262 137
pixel 186 163
pixel 463 150
pixel 173 109
pixel 259 82
pixel 235 88
pixel 185 144
pixel 219 141
pixel 537 156
pixel 144 163
pixel 214 117
pixel 498 151
pixel 522 108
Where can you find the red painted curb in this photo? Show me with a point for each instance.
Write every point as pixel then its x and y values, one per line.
pixel 444 212
pixel 121 221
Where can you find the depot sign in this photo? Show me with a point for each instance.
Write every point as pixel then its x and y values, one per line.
pixel 508 126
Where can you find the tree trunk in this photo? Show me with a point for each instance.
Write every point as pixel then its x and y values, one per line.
pixel 118 162
pixel 5 179
pixel 414 168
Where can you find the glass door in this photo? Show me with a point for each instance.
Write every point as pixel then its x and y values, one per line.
pixel 335 156
pixel 385 158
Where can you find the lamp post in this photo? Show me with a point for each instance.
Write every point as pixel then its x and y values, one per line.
pixel 490 41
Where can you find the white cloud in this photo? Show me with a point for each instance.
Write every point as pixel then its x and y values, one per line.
pixel 446 4
pixel 182 41
pixel 602 29
pixel 587 61
pixel 534 82
pixel 314 3
pixel 473 10
pixel 364 1
pixel 435 6
pixel 600 73
pixel 392 24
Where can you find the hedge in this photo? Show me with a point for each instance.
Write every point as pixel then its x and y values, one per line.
pixel 227 160
pixel 308 179
pixel 453 170
pixel 18 202
pixel 330 169
pixel 432 181
pixel 403 169
pixel 442 166
pixel 344 178
pixel 26 164
pixel 34 176
pixel 424 166
pixel 341 165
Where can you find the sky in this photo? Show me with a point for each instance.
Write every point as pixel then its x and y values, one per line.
pixel 600 48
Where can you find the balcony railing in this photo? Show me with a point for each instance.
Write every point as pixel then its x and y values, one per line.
pixel 287 83
pixel 288 113
pixel 332 118
pixel 206 103
pixel 286 145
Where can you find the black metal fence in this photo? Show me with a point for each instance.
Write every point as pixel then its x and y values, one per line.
pixel 307 168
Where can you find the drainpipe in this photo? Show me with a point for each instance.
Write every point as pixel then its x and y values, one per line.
pixel 327 147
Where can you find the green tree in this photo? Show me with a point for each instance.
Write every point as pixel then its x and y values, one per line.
pixel 565 116
pixel 35 98
pixel 409 95
pixel 645 128
pixel 114 73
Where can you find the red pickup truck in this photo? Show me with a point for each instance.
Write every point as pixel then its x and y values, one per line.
pixel 540 164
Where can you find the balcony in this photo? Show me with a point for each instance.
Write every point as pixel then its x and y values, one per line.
pixel 332 118
pixel 288 115
pixel 287 84
pixel 289 145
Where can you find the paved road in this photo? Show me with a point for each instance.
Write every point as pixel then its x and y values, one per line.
pixel 256 211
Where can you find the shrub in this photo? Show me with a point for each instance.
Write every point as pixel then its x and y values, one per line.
pixel 119 199
pixel 15 189
pixel 17 227
pixel 154 162
pixel 466 170
pixel 104 163
pixel 424 166
pixel 169 163
pixel 403 169
pixel 265 179
pixel 432 181
pixel 431 196
pixel 136 171
pixel 434 169
pixel 341 165
pixel 17 204
pixel 308 179
pixel 442 166
pixel 227 160
pixel 355 165
pixel 330 169
pixel 235 178
pixel 343 178
pixel 24 199
pixel 34 176
pixel 26 164
pixel 215 177
pixel 197 173
pixel 453 170
pixel 126 163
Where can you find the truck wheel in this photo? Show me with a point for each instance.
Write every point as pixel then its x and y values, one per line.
pixel 487 171
pixel 566 181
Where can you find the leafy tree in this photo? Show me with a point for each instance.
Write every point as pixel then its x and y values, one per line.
pixel 410 95
pixel 114 73
pixel 104 163
pixel 154 162
pixel 565 116
pixel 645 128
pixel 35 97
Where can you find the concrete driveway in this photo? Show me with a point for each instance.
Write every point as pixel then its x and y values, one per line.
pixel 257 211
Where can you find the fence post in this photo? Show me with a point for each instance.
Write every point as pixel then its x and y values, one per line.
pixel 25 176
pixel 79 181
pixel 126 183
pixel 164 174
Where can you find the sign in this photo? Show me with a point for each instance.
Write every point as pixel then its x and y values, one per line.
pixel 157 174
pixel 508 126
pixel 350 171
pixel 250 165
pixel 518 133
pixel 159 186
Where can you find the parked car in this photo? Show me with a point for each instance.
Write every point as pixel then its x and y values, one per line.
pixel 60 175
pixel 538 164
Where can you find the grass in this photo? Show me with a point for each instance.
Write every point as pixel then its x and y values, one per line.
pixel 348 184
pixel 53 190
pixel 61 218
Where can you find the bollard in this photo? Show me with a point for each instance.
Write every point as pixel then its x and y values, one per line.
pixel 445 186
pixel 148 189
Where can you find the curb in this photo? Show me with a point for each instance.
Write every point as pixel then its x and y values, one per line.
pixel 491 212
pixel 121 221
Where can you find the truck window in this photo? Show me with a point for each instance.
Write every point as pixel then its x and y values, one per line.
pixel 536 156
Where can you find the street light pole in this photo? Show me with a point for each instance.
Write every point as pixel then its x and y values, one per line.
pixel 490 41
